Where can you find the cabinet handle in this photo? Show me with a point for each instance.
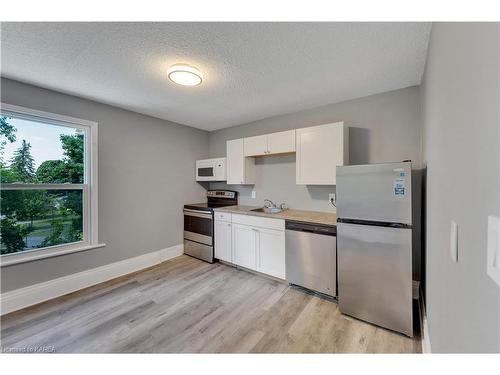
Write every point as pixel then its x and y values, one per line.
pixel 228 225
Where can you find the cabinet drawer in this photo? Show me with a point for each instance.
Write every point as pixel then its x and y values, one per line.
pixel 222 216
pixel 256 221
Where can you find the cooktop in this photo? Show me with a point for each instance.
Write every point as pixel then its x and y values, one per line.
pixel 215 198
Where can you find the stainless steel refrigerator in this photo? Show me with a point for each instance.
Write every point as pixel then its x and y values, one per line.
pixel 374 244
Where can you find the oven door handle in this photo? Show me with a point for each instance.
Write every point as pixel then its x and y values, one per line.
pixel 202 214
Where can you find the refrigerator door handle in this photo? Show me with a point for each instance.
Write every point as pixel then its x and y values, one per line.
pixel 374 223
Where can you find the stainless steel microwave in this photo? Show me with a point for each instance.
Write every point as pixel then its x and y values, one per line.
pixel 211 169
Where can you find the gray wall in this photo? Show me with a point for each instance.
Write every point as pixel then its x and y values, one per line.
pixel 460 97
pixel 146 174
pixel 383 127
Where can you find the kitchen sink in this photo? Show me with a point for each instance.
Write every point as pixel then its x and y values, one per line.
pixel 266 210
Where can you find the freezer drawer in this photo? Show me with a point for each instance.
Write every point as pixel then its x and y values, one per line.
pixel 311 261
pixel 376 192
pixel 375 275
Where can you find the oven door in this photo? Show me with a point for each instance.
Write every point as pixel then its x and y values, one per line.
pixel 198 226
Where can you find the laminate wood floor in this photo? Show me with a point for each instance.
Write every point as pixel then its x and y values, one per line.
pixel 186 305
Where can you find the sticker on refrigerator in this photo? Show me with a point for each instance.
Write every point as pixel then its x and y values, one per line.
pixel 399 187
pixel 400 171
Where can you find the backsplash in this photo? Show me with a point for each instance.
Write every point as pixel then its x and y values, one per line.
pixel 275 180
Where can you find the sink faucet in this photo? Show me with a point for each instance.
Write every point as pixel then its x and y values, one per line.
pixel 269 203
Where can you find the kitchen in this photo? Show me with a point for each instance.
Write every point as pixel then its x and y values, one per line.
pixel 242 187
pixel 300 247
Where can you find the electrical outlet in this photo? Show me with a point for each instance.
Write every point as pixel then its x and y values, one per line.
pixel 332 198
pixel 254 194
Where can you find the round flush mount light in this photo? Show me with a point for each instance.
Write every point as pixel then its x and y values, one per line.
pixel 185 75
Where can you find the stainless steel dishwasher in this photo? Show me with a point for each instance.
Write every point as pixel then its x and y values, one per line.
pixel 311 256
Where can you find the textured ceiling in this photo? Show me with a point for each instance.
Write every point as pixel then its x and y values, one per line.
pixel 252 70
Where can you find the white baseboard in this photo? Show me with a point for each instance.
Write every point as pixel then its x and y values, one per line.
pixel 33 294
pixel 424 327
pixel 426 342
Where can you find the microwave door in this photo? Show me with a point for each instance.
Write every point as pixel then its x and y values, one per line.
pixel 204 173
pixel 211 170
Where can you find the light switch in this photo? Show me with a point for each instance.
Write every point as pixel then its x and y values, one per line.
pixel 493 252
pixel 454 241
pixel 254 194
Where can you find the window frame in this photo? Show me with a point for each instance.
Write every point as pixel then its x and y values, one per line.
pixel 88 188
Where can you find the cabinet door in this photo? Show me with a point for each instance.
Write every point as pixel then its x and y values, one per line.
pixel 245 246
pixel 254 146
pixel 271 254
pixel 282 142
pixel 235 161
pixel 319 150
pixel 223 248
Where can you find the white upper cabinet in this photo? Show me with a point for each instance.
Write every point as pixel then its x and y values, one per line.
pixel 255 146
pixel 267 144
pixel 282 142
pixel 240 169
pixel 319 150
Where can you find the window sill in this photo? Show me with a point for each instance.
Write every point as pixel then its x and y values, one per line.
pixel 56 251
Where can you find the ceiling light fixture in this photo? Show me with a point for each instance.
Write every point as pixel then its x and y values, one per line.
pixel 185 75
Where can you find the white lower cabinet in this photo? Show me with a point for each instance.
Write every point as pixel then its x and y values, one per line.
pixel 257 247
pixel 245 246
pixel 223 246
pixel 271 252
pixel 256 243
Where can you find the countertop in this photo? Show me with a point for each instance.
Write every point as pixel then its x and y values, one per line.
pixel 316 217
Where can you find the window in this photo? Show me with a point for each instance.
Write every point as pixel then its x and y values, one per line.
pixel 48 176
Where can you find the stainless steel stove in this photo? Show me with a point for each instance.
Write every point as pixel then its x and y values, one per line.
pixel 199 223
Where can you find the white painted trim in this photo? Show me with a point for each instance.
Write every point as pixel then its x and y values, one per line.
pixel 33 294
pixel 89 187
pixel 92 161
pixel 30 186
pixel 34 114
pixel 47 252
pixel 426 342
pixel 424 327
